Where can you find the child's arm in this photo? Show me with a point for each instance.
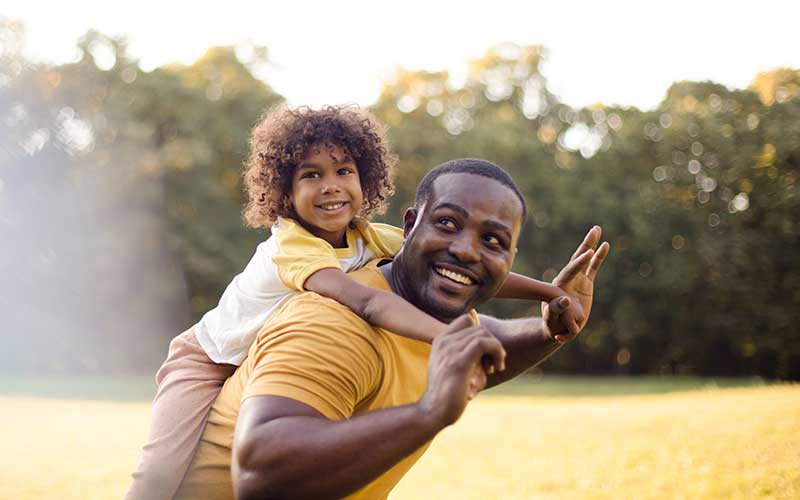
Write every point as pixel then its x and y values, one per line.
pixel 377 307
pixel 518 286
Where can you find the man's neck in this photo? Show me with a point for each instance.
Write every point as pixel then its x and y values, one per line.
pixel 388 274
pixel 393 274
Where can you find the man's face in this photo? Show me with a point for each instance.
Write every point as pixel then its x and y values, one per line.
pixel 459 249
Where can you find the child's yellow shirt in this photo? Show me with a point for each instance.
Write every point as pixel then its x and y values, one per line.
pixel 280 267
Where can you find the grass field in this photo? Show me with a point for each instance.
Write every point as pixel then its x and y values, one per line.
pixel 555 438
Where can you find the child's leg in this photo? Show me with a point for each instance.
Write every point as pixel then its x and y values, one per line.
pixel 188 383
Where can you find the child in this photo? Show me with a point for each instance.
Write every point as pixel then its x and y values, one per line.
pixel 315 178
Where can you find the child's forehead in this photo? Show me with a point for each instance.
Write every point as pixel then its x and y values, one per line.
pixel 326 150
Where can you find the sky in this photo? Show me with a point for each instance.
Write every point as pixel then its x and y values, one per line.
pixel 611 52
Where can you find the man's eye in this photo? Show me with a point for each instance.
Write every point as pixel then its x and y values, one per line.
pixel 447 222
pixel 492 240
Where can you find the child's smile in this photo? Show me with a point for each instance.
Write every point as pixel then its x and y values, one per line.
pixel 326 192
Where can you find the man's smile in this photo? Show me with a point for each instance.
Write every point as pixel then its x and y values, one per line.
pixel 456 276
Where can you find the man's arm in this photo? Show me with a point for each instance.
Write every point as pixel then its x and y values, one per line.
pixel 527 343
pixel 285 449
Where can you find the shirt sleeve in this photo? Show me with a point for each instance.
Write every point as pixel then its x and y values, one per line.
pixel 300 254
pixel 317 352
pixel 384 240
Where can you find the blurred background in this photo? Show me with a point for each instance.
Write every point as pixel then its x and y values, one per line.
pixel 677 131
pixel 675 126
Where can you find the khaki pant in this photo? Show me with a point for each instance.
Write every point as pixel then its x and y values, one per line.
pixel 188 383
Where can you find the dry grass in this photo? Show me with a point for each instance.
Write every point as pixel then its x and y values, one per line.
pixel 733 443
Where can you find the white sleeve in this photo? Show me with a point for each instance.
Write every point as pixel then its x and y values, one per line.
pixel 227 331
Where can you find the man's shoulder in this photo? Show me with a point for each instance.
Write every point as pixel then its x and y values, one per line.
pixel 371 275
pixel 307 315
pixel 310 312
pixel 307 305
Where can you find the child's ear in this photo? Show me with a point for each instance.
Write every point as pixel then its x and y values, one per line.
pixel 409 221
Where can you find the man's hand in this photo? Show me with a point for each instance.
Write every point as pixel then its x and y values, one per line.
pixel 565 317
pixel 455 369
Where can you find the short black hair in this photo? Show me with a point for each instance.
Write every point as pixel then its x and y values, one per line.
pixel 476 166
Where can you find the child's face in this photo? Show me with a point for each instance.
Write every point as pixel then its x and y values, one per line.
pixel 326 192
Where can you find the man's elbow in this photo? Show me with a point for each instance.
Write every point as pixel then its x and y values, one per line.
pixel 250 485
pixel 252 473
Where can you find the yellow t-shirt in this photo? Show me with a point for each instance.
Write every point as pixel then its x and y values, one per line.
pixel 318 352
pixel 299 254
pixel 278 270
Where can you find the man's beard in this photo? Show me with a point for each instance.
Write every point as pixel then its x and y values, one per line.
pixel 422 296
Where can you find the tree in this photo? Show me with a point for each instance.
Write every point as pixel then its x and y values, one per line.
pixel 698 198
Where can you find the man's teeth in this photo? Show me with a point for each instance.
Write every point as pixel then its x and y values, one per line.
pixel 332 206
pixel 460 278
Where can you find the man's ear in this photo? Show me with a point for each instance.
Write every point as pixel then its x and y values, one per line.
pixel 409 221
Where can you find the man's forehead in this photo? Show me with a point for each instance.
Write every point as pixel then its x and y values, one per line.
pixel 475 192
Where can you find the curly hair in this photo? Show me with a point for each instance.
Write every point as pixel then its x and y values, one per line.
pixel 282 138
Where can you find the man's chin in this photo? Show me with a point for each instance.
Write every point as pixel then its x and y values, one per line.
pixel 446 310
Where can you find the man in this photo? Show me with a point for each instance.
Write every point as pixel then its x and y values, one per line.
pixel 325 406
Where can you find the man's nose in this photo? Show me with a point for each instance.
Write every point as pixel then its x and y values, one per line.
pixel 464 248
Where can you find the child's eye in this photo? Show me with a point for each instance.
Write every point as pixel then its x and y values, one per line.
pixel 345 171
pixel 309 175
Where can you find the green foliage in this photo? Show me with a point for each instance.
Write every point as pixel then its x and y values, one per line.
pixel 697 197
pixel 117 175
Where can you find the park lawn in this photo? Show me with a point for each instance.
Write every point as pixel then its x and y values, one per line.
pixel 709 443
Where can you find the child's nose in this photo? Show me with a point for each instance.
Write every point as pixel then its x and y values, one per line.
pixel 330 188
